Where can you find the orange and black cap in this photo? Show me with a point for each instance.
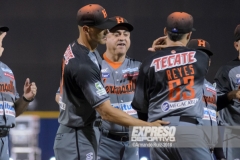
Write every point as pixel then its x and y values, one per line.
pixel 200 44
pixel 237 33
pixel 180 22
pixel 120 21
pixel 94 15
pixel 4 29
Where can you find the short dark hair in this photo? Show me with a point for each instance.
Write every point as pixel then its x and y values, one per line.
pixel 175 36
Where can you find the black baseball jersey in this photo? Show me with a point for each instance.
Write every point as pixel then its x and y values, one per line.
pixel 170 83
pixel 227 79
pixel 81 88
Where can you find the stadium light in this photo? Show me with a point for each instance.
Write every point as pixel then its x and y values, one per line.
pixel 52 158
pixel 143 158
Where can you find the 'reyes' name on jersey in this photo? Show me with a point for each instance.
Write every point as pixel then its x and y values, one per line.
pixel 126 107
pixel 173 60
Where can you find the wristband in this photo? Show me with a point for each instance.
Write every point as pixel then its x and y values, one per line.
pixel 26 100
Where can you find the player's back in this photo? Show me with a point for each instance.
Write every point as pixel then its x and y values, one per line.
pixel 172 80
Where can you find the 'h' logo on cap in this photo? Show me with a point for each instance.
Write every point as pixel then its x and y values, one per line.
pixel 120 20
pixel 104 13
pixel 201 43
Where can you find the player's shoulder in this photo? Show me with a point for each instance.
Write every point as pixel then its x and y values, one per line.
pixel 132 61
pixel 232 64
pixel 229 66
pixel 77 49
pixel 208 83
pixel 169 52
pixel 76 54
pixel 5 67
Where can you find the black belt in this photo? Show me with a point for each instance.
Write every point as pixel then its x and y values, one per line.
pixel 116 137
pixel 4 131
pixel 188 119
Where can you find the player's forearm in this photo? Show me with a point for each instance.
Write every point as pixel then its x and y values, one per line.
pixel 57 97
pixel 235 94
pixel 20 106
pixel 117 116
pixel 224 100
pixel 122 118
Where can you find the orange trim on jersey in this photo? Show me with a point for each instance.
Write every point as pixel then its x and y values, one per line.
pixel 114 65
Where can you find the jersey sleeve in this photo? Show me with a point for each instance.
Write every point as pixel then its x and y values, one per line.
pixel 58 91
pixel 90 82
pixel 223 87
pixel 16 94
pixel 140 101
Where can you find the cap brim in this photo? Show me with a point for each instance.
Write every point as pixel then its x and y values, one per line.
pixel 4 29
pixel 127 25
pixel 108 24
pixel 209 53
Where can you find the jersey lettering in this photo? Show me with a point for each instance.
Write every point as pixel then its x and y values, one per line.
pixel 210 99
pixel 124 89
pixel 9 75
pixel 126 107
pixel 176 93
pixel 7 108
pixel 180 72
pixel 68 54
pixel 167 106
pixel 7 87
pixel 210 88
pixel 174 60
pixel 209 113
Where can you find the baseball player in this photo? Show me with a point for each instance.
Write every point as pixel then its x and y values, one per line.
pixel 209 101
pixel 119 75
pixel 169 87
pixel 209 97
pixel 227 81
pixel 82 92
pixel 11 105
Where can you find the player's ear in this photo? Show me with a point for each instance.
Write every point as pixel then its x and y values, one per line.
pixel 85 29
pixel 189 35
pixel 165 31
pixel 236 45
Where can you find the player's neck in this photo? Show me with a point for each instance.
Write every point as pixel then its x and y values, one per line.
pixel 177 43
pixel 113 64
pixel 83 41
pixel 115 57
